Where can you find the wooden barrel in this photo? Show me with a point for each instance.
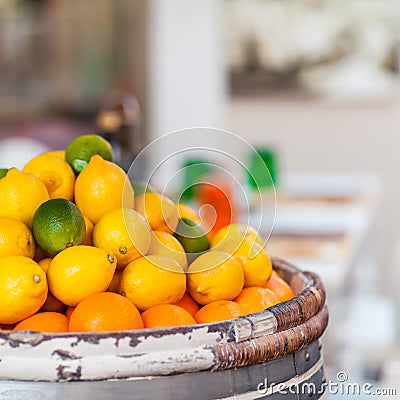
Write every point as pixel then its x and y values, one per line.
pixel 270 354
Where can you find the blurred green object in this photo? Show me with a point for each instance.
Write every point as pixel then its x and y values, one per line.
pixel 140 187
pixel 262 172
pixel 193 171
pixel 3 172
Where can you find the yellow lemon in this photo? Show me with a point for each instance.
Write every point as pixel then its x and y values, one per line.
pixel 23 288
pixel 114 285
pixel 164 244
pixel 102 187
pixel 215 275
pixel 123 232
pixel 256 264
pixel 235 232
pixel 188 212
pixel 55 173
pixel 160 212
pixel 45 264
pixel 15 238
pixel 80 271
pixel 20 195
pixel 152 280
pixel 89 231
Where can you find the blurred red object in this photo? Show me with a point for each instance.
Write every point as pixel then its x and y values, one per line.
pixel 217 195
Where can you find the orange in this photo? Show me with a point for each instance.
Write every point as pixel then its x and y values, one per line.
pixel 101 187
pixel 255 299
pixel 188 304
pixel 105 311
pixel 161 213
pixel 166 315
pixel 69 311
pixel 55 173
pixel 220 310
pixel 279 287
pixel 53 304
pixel 7 327
pixel 186 211
pixel 89 231
pixel 44 322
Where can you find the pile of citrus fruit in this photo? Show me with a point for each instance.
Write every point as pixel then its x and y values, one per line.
pixel 82 248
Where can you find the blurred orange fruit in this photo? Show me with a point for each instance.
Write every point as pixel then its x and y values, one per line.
pixel 160 212
pixel 44 322
pixel 188 304
pixel 105 311
pixel 220 310
pixel 283 291
pixel 167 315
pixel 101 187
pixel 255 299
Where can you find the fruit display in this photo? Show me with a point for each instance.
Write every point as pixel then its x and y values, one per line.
pixel 82 248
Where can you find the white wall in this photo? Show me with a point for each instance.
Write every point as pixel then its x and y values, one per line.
pixel 317 136
pixel 186 75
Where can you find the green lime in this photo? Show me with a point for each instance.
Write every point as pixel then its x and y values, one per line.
pixel 79 151
pixel 141 187
pixel 191 236
pixel 58 224
pixel 3 172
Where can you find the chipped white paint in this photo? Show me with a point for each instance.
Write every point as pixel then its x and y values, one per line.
pixel 34 356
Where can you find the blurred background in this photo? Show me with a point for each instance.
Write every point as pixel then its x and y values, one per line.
pixel 312 84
